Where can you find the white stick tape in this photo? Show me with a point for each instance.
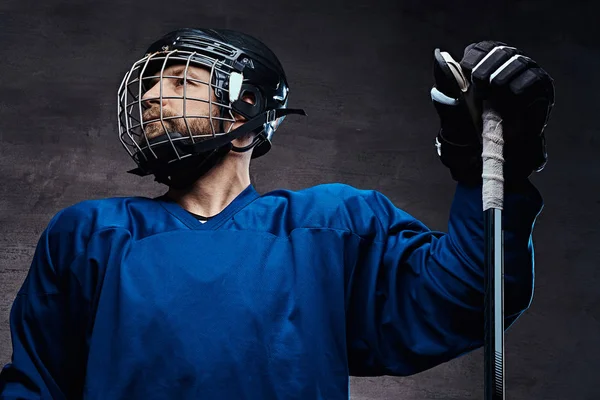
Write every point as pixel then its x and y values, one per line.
pixel 493 161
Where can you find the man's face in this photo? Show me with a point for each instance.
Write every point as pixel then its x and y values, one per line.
pixel 197 107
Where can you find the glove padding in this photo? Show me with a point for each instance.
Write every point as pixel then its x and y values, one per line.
pixel 512 84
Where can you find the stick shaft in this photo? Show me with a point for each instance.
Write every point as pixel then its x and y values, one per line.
pixel 493 202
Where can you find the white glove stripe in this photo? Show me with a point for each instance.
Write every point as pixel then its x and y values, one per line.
pixel 488 55
pixel 506 64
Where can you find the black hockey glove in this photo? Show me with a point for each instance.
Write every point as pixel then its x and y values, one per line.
pixel 514 85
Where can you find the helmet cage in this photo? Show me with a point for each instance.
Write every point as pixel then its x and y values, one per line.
pixel 137 82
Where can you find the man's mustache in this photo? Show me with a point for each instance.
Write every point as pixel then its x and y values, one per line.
pixel 154 114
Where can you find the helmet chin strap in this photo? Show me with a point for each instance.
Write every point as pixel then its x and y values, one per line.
pixel 257 140
pixel 187 171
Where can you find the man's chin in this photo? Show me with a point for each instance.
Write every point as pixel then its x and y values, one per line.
pixel 154 135
pixel 156 129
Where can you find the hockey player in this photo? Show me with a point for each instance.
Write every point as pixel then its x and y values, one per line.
pixel 213 291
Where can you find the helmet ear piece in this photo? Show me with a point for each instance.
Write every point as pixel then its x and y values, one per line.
pixel 245 109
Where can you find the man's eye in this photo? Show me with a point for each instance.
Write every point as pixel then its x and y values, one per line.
pixel 181 82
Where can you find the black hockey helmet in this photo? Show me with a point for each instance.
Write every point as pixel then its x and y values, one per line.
pixel 239 65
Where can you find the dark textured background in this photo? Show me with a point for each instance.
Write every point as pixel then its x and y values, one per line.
pixel 362 71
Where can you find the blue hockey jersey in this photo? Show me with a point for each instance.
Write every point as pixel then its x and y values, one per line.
pixel 280 296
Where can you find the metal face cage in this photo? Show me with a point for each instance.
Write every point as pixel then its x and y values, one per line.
pixel 225 83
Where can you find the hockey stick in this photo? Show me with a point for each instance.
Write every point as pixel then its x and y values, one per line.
pixel 493 199
pixel 448 74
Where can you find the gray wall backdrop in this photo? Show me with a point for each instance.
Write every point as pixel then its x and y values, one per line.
pixel 362 70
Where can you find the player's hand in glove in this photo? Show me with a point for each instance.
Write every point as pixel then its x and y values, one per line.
pixel 512 84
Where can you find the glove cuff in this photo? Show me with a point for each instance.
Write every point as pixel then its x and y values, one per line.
pixel 463 160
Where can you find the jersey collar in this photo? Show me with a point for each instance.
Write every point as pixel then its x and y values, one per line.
pixel 242 200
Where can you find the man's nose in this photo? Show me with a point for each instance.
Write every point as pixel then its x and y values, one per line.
pixel 152 96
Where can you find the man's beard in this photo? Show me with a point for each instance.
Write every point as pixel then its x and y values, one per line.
pixel 195 125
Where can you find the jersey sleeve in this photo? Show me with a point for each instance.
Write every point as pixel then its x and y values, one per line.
pixel 417 295
pixel 50 314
